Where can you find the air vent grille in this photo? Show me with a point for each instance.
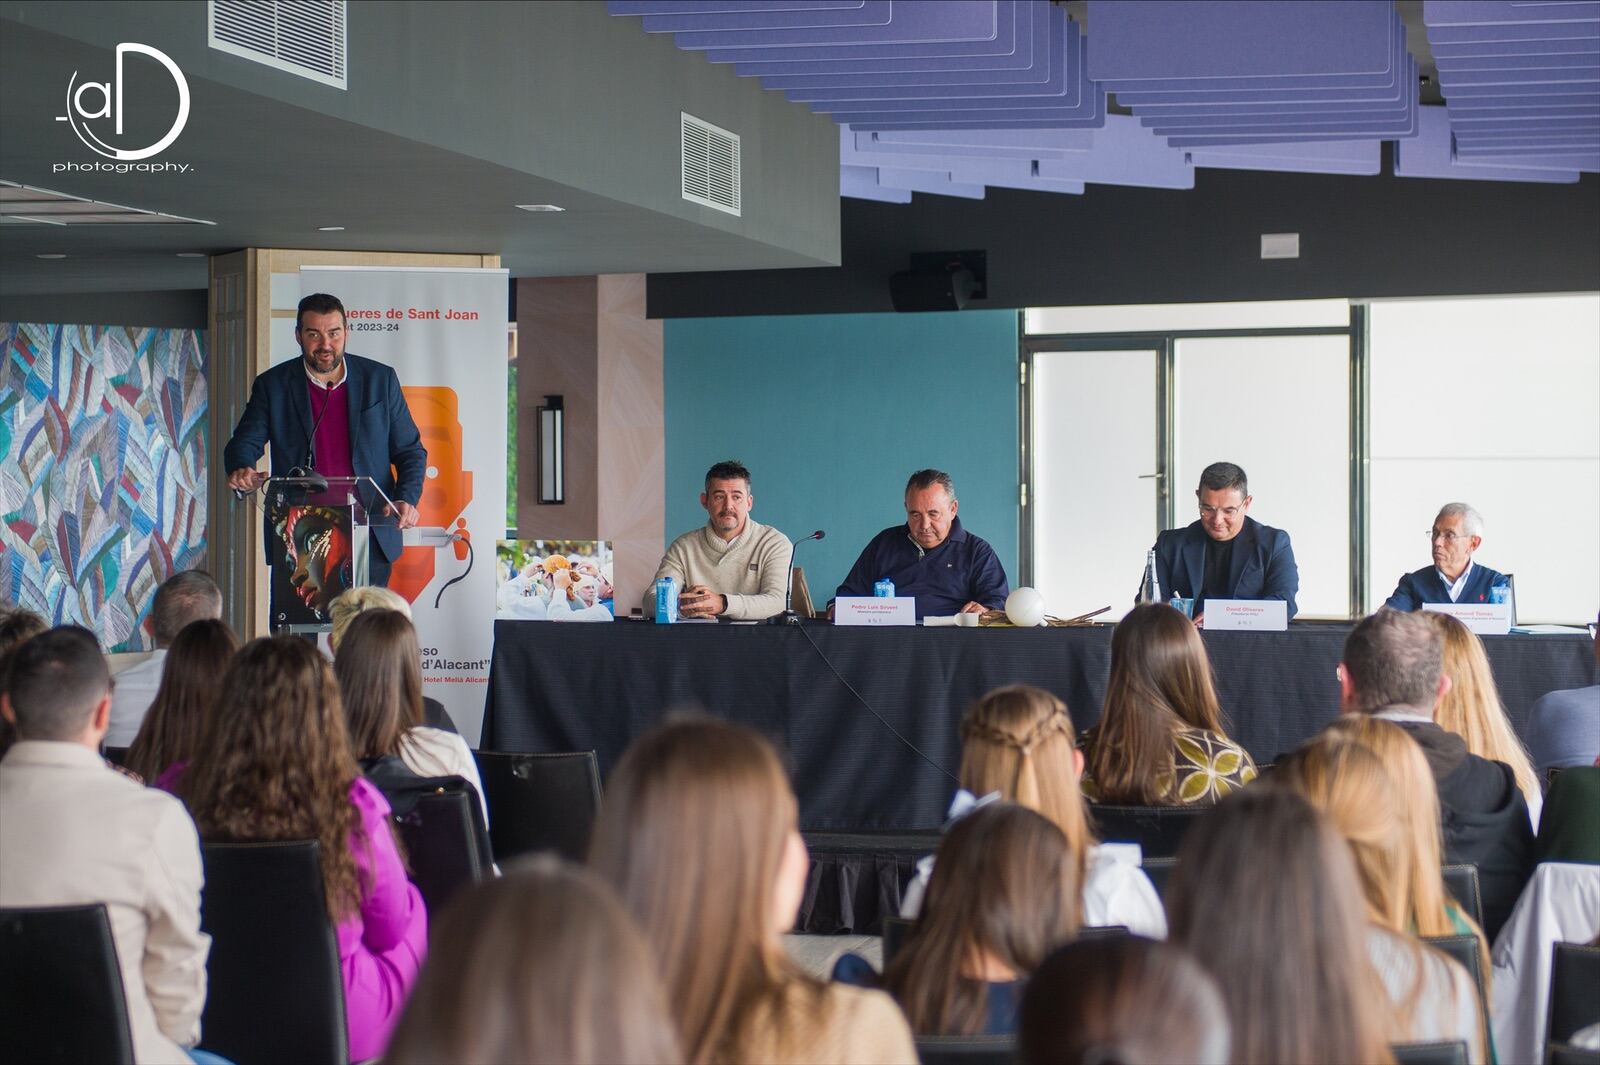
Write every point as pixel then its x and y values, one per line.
pixel 711 165
pixel 304 37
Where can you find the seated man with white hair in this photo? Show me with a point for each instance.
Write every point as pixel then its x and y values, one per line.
pixel 1453 577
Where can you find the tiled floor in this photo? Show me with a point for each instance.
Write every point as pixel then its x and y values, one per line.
pixel 816 954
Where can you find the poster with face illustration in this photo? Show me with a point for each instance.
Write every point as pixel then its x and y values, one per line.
pixel 553 580
pixel 316 554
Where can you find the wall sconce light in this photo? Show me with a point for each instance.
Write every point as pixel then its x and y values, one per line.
pixel 552 452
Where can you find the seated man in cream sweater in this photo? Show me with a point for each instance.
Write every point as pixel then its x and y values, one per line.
pixel 731 566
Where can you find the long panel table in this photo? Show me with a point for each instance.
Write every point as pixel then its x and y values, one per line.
pixel 868 717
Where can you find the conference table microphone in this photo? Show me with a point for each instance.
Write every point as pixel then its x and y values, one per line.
pixel 789 617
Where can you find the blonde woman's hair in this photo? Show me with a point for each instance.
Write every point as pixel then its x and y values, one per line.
pixel 352 602
pixel 1472 708
pixel 692 834
pixel 1018 741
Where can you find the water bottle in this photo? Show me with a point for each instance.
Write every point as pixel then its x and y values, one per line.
pixel 666 600
pixel 1151 593
pixel 883 588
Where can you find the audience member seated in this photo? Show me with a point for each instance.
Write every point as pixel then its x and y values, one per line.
pixel 1560 905
pixel 1017 742
pixel 1571 829
pixel 1564 726
pixel 1122 999
pixel 72 832
pixel 1159 740
pixel 353 602
pixel 542 965
pixel 1004 895
pixel 1393 669
pixel 379 667
pixel 277 766
pixel 698 832
pixel 1432 998
pixel 1266 898
pixel 1472 708
pixel 16 626
pixel 186 699
pixel 190 595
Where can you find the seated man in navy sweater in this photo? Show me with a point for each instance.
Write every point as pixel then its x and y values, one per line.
pixel 931 557
pixel 1453 577
pixel 1226 554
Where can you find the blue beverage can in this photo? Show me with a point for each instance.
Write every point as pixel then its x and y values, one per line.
pixel 883 588
pixel 1500 593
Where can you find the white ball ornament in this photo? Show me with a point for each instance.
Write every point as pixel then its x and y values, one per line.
pixel 1025 607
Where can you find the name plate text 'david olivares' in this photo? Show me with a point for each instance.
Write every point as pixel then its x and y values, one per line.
pixel 872 610
pixel 1256 615
pixel 1485 619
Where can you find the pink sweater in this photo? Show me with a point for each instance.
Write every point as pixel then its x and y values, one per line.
pixel 382 944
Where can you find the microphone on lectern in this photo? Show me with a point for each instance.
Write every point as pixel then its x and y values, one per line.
pixel 789 617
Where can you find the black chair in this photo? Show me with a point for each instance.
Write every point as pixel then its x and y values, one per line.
pixel 1462 883
pixel 116 756
pixel 1429 1053
pixel 274 989
pixel 1464 949
pixel 966 1049
pixel 1550 776
pixel 1158 830
pixel 62 987
pixel 1563 1054
pixel 540 802
pixel 1574 991
pixel 1103 931
pixel 895 932
pixel 440 825
pixel 1159 870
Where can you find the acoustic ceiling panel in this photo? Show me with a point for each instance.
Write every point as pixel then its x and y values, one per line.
pixel 1363 157
pixel 907 23
pixel 1431 154
pixel 1019 45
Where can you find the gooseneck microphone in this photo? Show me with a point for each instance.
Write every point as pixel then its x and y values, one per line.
pixel 789 617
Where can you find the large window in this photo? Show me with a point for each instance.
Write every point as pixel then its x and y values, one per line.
pixel 1496 403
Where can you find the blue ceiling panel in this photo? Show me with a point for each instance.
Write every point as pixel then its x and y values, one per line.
pixel 910 22
pixel 861 183
pixel 1507 12
pixel 1363 158
pixel 870 13
pixel 691 7
pixel 1431 155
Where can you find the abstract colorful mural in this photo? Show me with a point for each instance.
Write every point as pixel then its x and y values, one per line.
pixel 103 482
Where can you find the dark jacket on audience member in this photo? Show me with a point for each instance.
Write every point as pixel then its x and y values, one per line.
pixel 1569 828
pixel 1426 586
pixel 963 569
pixel 1484 817
pixel 1262 565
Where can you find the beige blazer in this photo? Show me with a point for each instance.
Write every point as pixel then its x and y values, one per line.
pixel 73 831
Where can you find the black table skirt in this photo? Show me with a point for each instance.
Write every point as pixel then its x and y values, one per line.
pixel 867 717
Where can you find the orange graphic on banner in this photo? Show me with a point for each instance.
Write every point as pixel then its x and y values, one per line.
pixel 446 490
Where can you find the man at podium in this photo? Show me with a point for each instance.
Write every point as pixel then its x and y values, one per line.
pixel 338 415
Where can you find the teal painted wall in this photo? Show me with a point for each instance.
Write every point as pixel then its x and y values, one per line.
pixel 832 413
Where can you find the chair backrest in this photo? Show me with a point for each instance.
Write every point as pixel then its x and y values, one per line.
pixel 1550 776
pixel 1464 949
pixel 1462 883
pixel 274 988
pixel 61 987
pixel 895 932
pixel 1565 1054
pixel 541 802
pixel 1158 830
pixel 966 1049
pixel 440 826
pixel 116 755
pixel 1574 990
pixel 1159 870
pixel 1429 1053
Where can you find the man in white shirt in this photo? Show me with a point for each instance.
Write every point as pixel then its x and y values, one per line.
pixel 184 597
pixel 732 565
pixel 73 831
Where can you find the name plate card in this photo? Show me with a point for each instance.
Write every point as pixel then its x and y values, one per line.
pixel 1485 619
pixel 1254 615
pixel 872 610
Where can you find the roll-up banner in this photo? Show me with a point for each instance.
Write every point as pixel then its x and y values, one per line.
pixel 444 332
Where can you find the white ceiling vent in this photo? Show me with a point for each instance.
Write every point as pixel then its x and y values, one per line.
pixel 710 165
pixel 304 37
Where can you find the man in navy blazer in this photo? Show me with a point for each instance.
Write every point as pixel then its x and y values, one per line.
pixel 341 415
pixel 1453 577
pixel 1226 554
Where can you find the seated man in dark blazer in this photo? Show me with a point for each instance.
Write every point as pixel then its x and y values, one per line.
pixel 1226 554
pixel 1453 577
pixel 1392 668
pixel 339 414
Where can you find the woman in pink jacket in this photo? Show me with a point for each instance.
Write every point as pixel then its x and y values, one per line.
pixel 276 765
